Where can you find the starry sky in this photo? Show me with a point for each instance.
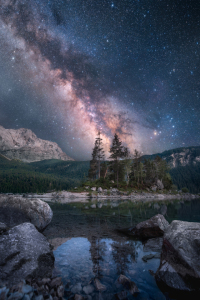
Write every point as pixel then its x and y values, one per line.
pixel 71 68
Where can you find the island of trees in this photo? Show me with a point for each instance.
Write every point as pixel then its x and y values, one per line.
pixel 126 170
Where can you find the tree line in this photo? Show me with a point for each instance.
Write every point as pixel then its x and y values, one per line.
pixel 124 167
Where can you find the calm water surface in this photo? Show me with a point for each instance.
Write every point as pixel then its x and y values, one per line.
pixel 88 245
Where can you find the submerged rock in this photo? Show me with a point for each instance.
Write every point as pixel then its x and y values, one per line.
pixel 99 286
pixel 128 284
pixel 180 258
pixel 24 252
pixel 88 289
pixel 150 256
pixel 78 297
pixel 151 228
pixel 18 210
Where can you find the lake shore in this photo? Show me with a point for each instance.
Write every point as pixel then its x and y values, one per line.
pixel 65 197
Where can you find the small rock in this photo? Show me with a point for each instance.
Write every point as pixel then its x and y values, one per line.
pixel 93 189
pixel 121 295
pixel 128 284
pixel 88 289
pixel 77 288
pixel 99 286
pixel 46 280
pixel 93 206
pixel 56 282
pixel 16 296
pixel 40 297
pixel 3 292
pixel 78 297
pixel 26 297
pixel 26 289
pixel 60 291
pixel 100 190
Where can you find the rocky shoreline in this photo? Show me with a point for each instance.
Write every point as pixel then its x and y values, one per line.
pixel 66 197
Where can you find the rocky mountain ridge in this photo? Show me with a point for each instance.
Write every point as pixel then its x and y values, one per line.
pixel 24 145
pixel 186 156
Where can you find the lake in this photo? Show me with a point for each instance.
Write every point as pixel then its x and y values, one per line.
pixel 87 245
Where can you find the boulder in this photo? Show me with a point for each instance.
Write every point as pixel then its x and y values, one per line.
pixel 151 228
pixel 160 185
pixel 93 189
pixel 179 268
pixel 17 210
pixel 24 253
pixel 100 190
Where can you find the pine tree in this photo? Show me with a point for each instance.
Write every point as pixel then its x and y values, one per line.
pixel 117 153
pixel 100 152
pixel 93 163
pixel 97 157
pixel 137 167
pixel 127 163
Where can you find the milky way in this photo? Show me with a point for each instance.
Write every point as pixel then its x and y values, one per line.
pixel 71 68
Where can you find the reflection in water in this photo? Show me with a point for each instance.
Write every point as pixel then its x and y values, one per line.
pixel 80 261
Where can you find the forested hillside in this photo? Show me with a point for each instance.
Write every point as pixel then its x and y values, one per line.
pixel 19 177
pixel 188 176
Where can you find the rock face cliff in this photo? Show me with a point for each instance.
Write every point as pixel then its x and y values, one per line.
pixel 187 156
pixel 182 156
pixel 23 144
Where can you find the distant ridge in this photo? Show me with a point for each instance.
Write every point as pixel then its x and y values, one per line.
pixel 24 145
pixel 179 156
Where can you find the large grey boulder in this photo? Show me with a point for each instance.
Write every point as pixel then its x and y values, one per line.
pixel 151 228
pixel 180 258
pixel 23 144
pixel 24 252
pixel 17 210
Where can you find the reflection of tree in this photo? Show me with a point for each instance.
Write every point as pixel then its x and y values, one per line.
pixel 97 250
pixel 123 254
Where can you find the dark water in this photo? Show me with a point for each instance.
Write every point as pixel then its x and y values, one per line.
pixel 93 248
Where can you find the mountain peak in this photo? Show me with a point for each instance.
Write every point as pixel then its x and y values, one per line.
pixel 24 145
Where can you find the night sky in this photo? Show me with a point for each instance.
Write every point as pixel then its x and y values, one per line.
pixel 70 68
